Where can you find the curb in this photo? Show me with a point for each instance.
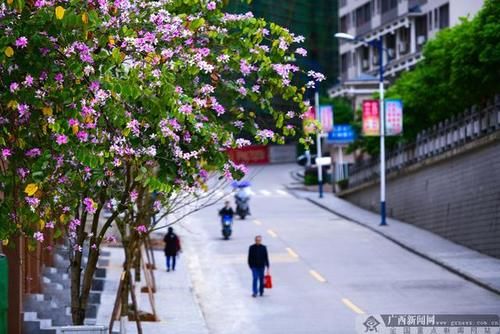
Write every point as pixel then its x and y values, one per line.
pixel 440 263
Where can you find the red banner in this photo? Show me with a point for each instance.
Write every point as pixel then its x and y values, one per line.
pixel 255 154
pixel 371 118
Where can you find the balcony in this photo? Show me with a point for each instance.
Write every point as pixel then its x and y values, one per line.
pixel 390 15
pixel 364 28
pixel 412 4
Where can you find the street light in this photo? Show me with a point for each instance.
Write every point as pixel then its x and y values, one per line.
pixel 377 43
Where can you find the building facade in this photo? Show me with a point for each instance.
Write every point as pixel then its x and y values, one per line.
pixel 315 20
pixel 403 25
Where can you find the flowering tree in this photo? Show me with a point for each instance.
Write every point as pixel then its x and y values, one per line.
pixel 104 100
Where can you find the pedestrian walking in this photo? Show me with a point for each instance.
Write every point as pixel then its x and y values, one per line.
pixel 172 247
pixel 258 261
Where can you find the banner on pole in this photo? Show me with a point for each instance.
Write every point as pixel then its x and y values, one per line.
pixel 371 118
pixel 326 118
pixel 393 117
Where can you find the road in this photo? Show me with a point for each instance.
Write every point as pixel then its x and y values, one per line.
pixel 326 270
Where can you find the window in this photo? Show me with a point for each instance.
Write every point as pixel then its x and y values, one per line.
pixel 388 5
pixel 444 16
pixel 429 20
pixel 363 15
pixel 344 62
pixel 436 18
pixel 344 23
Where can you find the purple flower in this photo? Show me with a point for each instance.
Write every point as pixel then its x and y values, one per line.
pixel 6 152
pixel 59 77
pixel 38 236
pixel 186 109
pixel 28 81
pixel 61 139
pixel 33 153
pixel 265 134
pixel 133 196
pixel 90 205
pixel 14 87
pixel 211 5
pixel 82 136
pixel 23 110
pixel 73 224
pixel 33 202
pixel 23 172
pixel 21 42
pixel 301 51
pixel 94 86
pixel 141 229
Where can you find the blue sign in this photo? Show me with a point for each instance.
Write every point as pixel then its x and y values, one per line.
pixel 341 134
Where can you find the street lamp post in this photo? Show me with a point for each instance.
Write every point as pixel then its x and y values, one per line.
pixel 378 44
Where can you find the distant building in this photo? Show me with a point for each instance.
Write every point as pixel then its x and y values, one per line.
pixel 404 25
pixel 316 20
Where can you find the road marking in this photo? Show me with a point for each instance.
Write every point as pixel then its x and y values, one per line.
pixel 251 192
pixel 292 253
pixel 317 276
pixel 351 305
pixel 257 222
pixel 265 192
pixel 282 192
pixel 272 233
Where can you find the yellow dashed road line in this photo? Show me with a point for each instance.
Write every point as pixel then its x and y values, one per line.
pixel 317 276
pixel 351 305
pixel 292 253
pixel 272 233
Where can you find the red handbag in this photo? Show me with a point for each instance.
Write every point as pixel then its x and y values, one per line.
pixel 268 281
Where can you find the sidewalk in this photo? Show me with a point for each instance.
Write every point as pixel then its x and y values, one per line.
pixel 471 265
pixel 176 305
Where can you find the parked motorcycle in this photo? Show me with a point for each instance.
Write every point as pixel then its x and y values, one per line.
pixel 227 223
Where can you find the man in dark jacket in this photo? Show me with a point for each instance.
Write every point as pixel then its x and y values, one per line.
pixel 172 247
pixel 258 260
pixel 227 210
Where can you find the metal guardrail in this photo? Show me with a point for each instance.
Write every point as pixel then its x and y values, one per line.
pixel 82 330
pixel 450 134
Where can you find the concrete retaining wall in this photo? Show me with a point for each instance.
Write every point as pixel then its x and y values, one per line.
pixel 457 197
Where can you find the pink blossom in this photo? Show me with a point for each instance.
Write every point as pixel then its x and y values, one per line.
pixel 28 81
pixel 73 224
pixel 133 195
pixel 21 42
pixel 245 68
pixel 33 153
pixel 186 109
pixel 82 136
pixel 141 229
pixel 50 224
pixel 23 172
pixel 134 126
pixel 23 110
pixel 90 205
pixel 301 51
pixel 77 248
pixel 211 5
pixel 61 139
pixel 265 134
pixel 59 77
pixel 6 152
pixel 33 202
pixel 110 238
pixel 14 87
pixel 38 236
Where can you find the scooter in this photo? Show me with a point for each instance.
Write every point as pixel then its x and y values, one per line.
pixel 242 207
pixel 227 222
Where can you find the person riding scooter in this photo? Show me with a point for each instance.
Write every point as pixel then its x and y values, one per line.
pixel 226 214
pixel 242 197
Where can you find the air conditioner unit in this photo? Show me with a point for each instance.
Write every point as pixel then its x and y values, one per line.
pixel 421 39
pixel 403 47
